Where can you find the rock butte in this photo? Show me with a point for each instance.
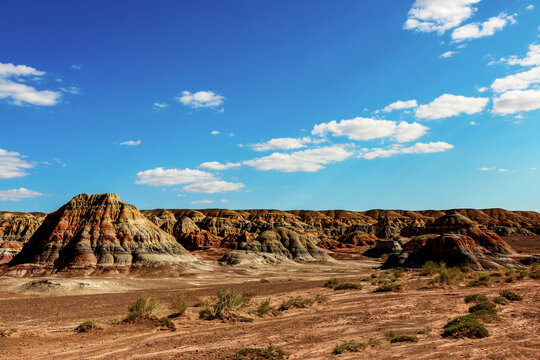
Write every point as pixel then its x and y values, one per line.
pixel 101 230
pixel 97 231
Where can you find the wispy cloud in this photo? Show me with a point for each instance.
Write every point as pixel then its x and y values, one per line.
pixel 162 177
pixel 487 28
pixel 131 143
pixel 213 187
pixel 13 165
pixel 214 132
pixel 203 201
pixel 159 106
pixel 397 149
pixel 401 105
pixel 448 54
pixel 215 165
pixel 13 89
pixel 76 66
pixel 18 194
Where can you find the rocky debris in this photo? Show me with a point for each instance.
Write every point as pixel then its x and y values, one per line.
pixel 530 259
pixel 251 258
pixel 385 247
pixel 286 243
pixel 236 240
pixel 511 231
pixel 15 230
pixel 101 230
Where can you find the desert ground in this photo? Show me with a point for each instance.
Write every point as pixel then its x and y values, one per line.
pixel 42 316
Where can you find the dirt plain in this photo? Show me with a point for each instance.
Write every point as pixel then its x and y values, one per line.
pixel 43 317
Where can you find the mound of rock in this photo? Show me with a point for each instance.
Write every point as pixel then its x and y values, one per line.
pixel 286 243
pixel 251 258
pixel 15 230
pixel 93 231
pixel 386 247
pixel 198 240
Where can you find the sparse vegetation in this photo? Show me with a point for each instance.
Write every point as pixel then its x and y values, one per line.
pixel 397 272
pixel 268 353
pixel 354 346
pixel 510 295
pixel 264 280
pixel 332 283
pixel 389 334
pixel 500 300
pixel 348 286
pixel 206 314
pixel 144 308
pixel 87 326
pixel 483 280
pixel 404 338
pixel 264 308
pixel 383 257
pixel 166 322
pixel 388 286
pixel 475 298
pixel 465 269
pixel 373 276
pixel 6 331
pixel 179 305
pixel 535 271
pixel 448 276
pixel 297 302
pixel 429 268
pixel 484 306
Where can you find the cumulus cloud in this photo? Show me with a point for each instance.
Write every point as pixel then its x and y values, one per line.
pixel 200 99
pixel 212 187
pixel 439 15
pixel 530 7
pixel 400 105
pixel 18 194
pixel 448 54
pixel 203 201
pixel 397 149
pixel 477 30
pixel 283 144
pixel 13 165
pixel 163 177
pixel 519 81
pixel 214 132
pixel 368 129
pixel 311 160
pixel 448 105
pixel 514 101
pixel 531 59
pixel 131 143
pixel 483 89
pixel 13 89
pixel 215 165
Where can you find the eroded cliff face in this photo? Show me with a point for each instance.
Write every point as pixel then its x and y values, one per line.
pixel 93 231
pixel 15 230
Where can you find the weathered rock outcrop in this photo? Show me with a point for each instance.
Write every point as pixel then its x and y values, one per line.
pixel 93 231
pixel 15 230
pixel 286 243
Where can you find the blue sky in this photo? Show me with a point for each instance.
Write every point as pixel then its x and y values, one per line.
pixel 271 104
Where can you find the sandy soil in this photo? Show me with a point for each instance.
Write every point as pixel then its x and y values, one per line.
pixel 44 317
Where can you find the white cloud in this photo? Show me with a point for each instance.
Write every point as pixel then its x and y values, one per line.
pixel 448 105
pixel 502 170
pixel 19 93
pixel 533 168
pixel 448 54
pixel 76 66
pixel 400 105
pixel 519 81
pixel 71 90
pixel 214 132
pixel 203 201
pixel 531 59
pixel 214 165
pixel 397 149
pixel 306 160
pixel 162 177
pixel 518 100
pixel 18 194
pixel 159 106
pixel 368 129
pixel 13 165
pixel 438 15
pixel 200 99
pixel 483 89
pixel 224 201
pixel 487 168
pixel 473 123
pixel 212 187
pixel 477 30
pixel 282 144
pixel 530 7
pixel 131 143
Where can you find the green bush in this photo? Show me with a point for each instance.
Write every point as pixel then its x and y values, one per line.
pixel 483 280
pixel 465 269
pixel 145 307
pixel 348 286
pixel 389 334
pixel 510 295
pixel 465 329
pixel 331 283
pixel 448 276
pixel 297 302
pixel 354 346
pixel 166 322
pixel 263 280
pixel 475 298
pixel 404 338
pixel 179 305
pixel 268 353
pixel 397 272
pixel 264 308
pixel 229 300
pixel 429 268
pixel 500 300
pixel 206 314
pixel 484 305
pixel 373 276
